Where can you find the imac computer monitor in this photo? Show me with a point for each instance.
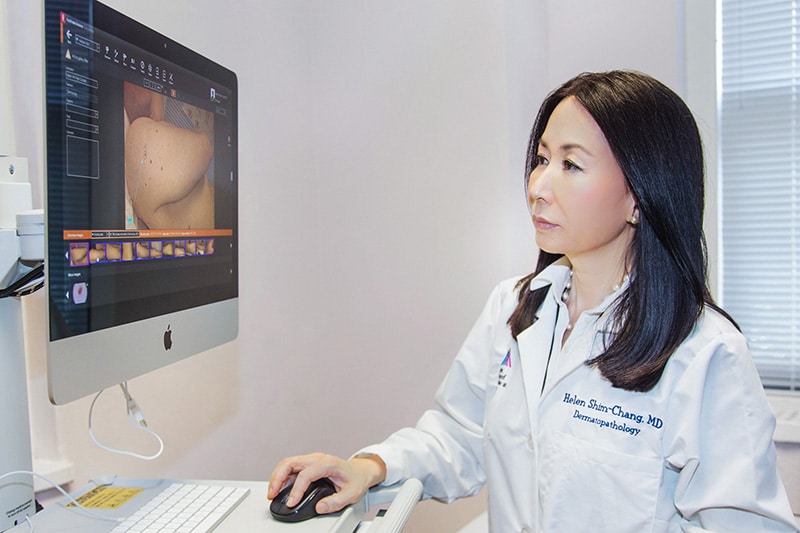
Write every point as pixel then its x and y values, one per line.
pixel 141 199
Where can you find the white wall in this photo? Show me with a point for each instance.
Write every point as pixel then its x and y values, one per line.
pixel 381 157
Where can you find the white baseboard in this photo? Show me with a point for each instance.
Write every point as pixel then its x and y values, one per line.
pixel 60 472
pixel 786 407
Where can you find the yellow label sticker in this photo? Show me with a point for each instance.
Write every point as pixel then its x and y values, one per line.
pixel 107 497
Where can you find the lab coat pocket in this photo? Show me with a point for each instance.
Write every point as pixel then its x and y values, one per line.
pixel 583 482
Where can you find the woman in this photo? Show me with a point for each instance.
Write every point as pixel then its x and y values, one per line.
pixel 606 391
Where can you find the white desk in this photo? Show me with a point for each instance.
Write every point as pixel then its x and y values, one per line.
pixel 252 514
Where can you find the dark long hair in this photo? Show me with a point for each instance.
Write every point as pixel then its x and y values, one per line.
pixel 655 141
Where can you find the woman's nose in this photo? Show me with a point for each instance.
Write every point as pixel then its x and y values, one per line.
pixel 538 185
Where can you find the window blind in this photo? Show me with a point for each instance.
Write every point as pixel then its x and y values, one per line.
pixel 759 154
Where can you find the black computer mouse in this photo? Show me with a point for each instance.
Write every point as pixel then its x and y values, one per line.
pixel 304 510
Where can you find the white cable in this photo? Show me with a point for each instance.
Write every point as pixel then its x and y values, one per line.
pixel 135 419
pixel 62 491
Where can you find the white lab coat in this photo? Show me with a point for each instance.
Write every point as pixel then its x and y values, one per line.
pixel 561 450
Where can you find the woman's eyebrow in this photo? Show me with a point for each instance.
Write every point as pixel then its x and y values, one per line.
pixel 567 147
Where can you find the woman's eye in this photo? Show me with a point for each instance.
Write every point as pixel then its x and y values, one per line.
pixel 570 166
pixel 541 160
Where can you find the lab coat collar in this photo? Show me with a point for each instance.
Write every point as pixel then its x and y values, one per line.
pixel 538 343
pixel 555 274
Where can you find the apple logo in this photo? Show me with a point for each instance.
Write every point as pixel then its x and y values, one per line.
pixel 168 338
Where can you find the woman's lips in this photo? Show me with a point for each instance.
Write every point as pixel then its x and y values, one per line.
pixel 542 223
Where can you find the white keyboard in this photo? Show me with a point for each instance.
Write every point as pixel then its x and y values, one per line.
pixel 184 508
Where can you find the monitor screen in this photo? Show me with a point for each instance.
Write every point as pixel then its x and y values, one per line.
pixel 141 199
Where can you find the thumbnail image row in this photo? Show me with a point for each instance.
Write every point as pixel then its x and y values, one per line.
pixel 83 253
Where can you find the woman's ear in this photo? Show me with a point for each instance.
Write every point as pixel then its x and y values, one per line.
pixel 633 220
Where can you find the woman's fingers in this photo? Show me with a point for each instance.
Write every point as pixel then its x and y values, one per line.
pixel 351 483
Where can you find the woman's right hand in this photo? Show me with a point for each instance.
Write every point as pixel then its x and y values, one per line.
pixel 352 478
